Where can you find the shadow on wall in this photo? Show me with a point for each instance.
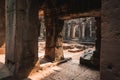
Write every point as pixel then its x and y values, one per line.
pixel 2 36
pixel 4 72
pixel 2 23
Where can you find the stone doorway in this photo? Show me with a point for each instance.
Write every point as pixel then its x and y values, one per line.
pixel 22 36
pixel 89 34
pixel 63 71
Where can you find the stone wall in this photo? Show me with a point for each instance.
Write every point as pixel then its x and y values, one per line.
pixel 110 43
pixel 2 26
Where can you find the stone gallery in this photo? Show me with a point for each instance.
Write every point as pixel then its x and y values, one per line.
pixel 59 40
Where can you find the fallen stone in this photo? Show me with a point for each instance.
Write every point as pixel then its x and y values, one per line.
pixel 87 58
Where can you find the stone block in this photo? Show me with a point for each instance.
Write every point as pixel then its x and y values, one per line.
pixel 87 59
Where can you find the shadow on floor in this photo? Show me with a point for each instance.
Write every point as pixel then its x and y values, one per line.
pixel 4 72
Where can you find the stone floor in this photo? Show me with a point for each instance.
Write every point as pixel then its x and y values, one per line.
pixel 4 72
pixel 70 70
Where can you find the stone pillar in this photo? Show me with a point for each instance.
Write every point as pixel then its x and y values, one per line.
pixel 80 30
pixel 2 27
pixel 69 30
pixel 90 29
pixel 74 30
pixel 22 35
pixel 94 29
pixel 87 30
pixel 42 28
pixel 64 30
pixel 96 55
pixel 83 30
pixel 54 49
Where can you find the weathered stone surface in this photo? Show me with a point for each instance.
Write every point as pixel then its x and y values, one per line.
pixel 80 29
pixel 87 59
pixel 22 32
pixel 54 49
pixel 2 50
pixel 2 27
pixel 110 43
pixel 70 70
pixel 22 36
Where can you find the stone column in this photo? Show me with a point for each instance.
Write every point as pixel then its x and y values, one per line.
pixel 54 49
pixel 90 28
pixel 96 55
pixel 42 27
pixel 69 30
pixel 94 29
pixel 80 30
pixel 83 30
pixel 22 35
pixel 74 31
pixel 64 30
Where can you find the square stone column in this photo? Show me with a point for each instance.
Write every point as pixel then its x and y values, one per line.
pixel 22 36
pixel 96 55
pixel 54 49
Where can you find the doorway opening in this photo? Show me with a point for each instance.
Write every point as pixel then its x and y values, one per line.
pixel 76 43
pixel 41 34
pixel 79 36
pixel 76 37
pixel 80 29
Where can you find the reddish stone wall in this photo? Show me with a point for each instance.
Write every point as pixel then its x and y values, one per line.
pixel 110 43
pixel 2 26
pixel 21 36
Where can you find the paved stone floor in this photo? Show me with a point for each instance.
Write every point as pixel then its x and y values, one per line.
pixel 4 72
pixel 70 70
